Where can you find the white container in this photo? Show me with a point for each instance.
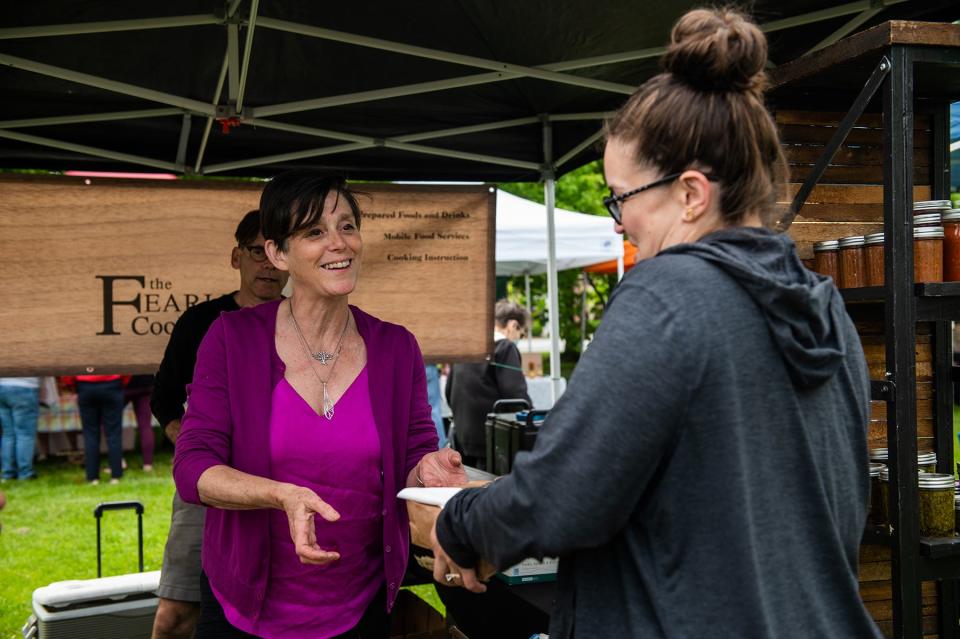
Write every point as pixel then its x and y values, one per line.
pixel 120 607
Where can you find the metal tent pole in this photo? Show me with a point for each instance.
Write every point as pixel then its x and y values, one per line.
pixel 526 286
pixel 553 303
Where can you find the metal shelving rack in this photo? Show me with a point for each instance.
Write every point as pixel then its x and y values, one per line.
pixel 908 66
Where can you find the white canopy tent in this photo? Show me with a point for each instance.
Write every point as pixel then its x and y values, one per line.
pixel 530 241
pixel 581 239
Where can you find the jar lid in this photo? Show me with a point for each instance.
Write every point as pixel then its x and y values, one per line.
pixel 927 219
pixel 928 205
pixel 831 245
pixel 878 454
pixel 926 458
pixel 951 216
pixel 937 480
pixel 853 240
pixel 927 232
pixel 875 469
pixel 873 238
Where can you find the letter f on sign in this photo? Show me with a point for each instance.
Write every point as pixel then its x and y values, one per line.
pixel 109 302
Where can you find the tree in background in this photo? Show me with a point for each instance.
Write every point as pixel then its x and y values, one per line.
pixel 581 190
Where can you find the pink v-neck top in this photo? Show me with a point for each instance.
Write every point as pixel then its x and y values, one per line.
pixel 339 459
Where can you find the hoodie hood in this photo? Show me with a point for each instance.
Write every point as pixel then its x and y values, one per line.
pixel 803 310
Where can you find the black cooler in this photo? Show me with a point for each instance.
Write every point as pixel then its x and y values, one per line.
pixel 508 433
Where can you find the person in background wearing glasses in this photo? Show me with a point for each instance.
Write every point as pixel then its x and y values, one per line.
pixel 705 473
pixel 181 573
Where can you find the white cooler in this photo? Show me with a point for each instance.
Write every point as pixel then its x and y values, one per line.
pixel 120 607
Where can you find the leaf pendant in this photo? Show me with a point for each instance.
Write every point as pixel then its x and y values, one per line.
pixel 327 404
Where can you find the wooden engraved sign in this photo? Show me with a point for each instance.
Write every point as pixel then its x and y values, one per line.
pixel 98 271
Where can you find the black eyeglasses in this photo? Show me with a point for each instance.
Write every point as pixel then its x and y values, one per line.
pixel 256 252
pixel 613 201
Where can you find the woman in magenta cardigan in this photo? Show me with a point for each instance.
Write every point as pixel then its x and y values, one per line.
pixel 305 418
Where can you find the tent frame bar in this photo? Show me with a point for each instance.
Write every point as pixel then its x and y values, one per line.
pixel 248 46
pixel 89 150
pixel 849 27
pixel 209 125
pixel 109 85
pixel 444 56
pixel 81 28
pixel 91 117
pixel 569 155
pixel 237 74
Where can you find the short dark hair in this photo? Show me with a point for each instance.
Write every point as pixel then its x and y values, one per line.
pixel 248 229
pixel 505 310
pixel 293 201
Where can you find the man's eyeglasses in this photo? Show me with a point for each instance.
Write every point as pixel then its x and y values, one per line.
pixel 613 201
pixel 256 252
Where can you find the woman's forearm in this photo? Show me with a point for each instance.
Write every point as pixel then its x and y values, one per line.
pixel 231 489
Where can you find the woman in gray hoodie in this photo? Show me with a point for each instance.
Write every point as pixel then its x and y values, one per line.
pixel 705 474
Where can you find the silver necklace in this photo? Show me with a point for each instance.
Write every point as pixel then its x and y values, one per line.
pixel 324 357
pixel 328 411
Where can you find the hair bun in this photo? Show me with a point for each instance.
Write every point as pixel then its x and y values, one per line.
pixel 717 50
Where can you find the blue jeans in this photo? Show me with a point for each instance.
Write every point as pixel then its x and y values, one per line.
pixel 19 409
pixel 101 402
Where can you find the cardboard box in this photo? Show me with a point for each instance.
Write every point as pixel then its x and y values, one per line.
pixel 530 571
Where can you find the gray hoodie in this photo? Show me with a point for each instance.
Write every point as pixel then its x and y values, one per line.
pixel 705 474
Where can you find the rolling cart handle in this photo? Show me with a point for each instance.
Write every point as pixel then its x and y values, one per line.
pixel 509 402
pixel 120 505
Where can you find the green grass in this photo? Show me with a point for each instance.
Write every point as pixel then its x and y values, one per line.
pixel 49 532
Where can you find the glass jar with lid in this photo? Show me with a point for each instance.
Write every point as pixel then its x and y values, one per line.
pixel 927 462
pixel 928 254
pixel 951 245
pixel 937 518
pixel 926 219
pixel 852 263
pixel 826 259
pixel 930 207
pixel 873 259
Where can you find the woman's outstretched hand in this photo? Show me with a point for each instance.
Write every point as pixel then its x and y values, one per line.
pixel 301 504
pixel 442 468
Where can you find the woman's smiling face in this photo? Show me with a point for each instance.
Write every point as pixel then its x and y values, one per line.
pixel 325 258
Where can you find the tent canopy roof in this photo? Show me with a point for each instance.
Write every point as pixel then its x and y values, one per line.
pixel 364 89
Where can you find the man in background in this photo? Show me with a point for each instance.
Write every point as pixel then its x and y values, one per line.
pixel 180 576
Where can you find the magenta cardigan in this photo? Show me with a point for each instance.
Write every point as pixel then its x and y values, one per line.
pixel 226 422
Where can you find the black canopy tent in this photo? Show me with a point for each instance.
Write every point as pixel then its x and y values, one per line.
pixel 454 90
pixel 439 90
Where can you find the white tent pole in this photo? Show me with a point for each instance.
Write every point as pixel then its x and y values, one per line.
pixel 583 312
pixel 526 286
pixel 553 304
pixel 620 268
